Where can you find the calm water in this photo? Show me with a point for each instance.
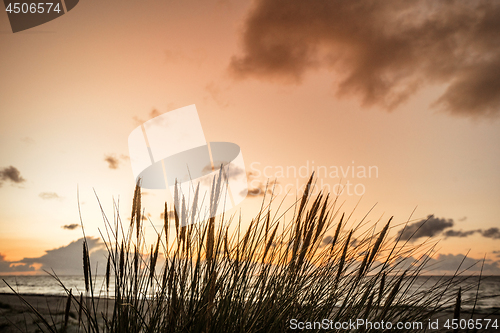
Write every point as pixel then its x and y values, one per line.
pixel 489 291
pixel 47 285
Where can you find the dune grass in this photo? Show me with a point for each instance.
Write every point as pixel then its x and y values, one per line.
pixel 209 277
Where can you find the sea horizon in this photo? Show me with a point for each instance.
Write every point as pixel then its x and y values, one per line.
pixel 45 285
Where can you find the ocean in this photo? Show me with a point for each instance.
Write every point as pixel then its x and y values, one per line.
pixel 489 289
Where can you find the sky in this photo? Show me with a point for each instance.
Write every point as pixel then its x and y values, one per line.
pixel 407 91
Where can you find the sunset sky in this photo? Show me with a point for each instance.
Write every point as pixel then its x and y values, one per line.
pixel 410 89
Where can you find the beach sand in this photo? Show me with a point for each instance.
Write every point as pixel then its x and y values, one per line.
pixel 15 316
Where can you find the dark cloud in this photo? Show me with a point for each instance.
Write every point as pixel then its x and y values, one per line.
pixel 258 188
pixel 256 191
pixel 429 227
pixel 327 240
pixel 381 51
pixel 459 233
pixel 170 214
pixel 72 226
pixel 8 266
pixel 113 162
pixel 49 196
pixel 11 174
pixel 434 226
pixel 233 172
pixel 491 233
pixel 65 260
pixel 207 169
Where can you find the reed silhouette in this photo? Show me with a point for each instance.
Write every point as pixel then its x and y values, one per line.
pixel 216 277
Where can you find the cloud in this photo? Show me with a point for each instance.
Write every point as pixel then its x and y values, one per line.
pixel 49 196
pixel 72 226
pixel 8 266
pixel 380 51
pixel 258 188
pixel 448 264
pixel 256 191
pixel 170 214
pixel 429 227
pixel 65 260
pixel 432 226
pixel 459 233
pixel 233 172
pixel 11 174
pixel 327 240
pixel 491 233
pixel 113 162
